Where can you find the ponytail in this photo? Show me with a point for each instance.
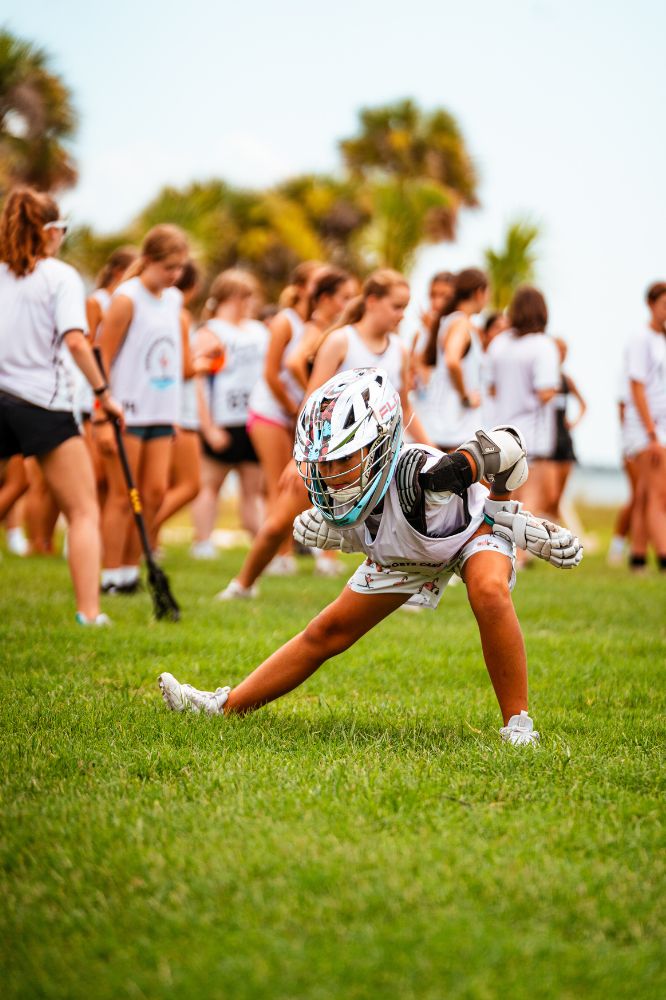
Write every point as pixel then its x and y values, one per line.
pixel 379 284
pixel 119 261
pixel 22 236
pixel 465 284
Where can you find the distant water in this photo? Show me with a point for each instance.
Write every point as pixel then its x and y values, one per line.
pixel 600 487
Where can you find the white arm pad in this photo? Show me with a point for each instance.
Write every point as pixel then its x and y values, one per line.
pixel 543 539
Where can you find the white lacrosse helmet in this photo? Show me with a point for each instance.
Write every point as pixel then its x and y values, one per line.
pixel 356 412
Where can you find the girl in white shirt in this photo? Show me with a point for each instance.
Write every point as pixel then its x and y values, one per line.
pixel 142 346
pixel 645 423
pixel 455 351
pixel 524 377
pixel 240 343
pixel 42 308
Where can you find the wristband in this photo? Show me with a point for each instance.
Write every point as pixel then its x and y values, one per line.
pixel 102 389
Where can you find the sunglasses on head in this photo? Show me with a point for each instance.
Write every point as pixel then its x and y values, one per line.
pixel 60 224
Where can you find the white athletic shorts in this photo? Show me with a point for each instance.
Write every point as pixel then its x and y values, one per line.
pixel 426 589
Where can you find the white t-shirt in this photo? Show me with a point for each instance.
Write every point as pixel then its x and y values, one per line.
pixel 36 311
pixel 518 367
pixel 244 351
pixel 146 374
pixel 646 363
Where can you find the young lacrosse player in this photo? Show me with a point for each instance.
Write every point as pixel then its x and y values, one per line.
pixel 419 516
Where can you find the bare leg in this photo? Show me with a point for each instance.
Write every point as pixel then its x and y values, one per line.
pixel 204 508
pixel 276 528
pixel 185 475
pixel 251 496
pixel 14 484
pixel 69 474
pixel 335 629
pixel 153 483
pixel 487 575
pixel 653 474
pixel 117 516
pixel 273 446
pixel 41 510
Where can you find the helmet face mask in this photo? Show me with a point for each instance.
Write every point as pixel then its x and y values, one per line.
pixel 347 442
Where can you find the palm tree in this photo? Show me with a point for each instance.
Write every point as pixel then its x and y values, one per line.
pixel 513 265
pixel 36 119
pixel 417 172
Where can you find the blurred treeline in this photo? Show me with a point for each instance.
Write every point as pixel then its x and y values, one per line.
pixel 402 179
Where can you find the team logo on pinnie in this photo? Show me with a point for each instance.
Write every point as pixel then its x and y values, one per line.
pixel 161 364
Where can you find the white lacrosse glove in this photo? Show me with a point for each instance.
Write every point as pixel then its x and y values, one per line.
pixel 542 538
pixel 520 731
pixel 500 457
pixel 311 530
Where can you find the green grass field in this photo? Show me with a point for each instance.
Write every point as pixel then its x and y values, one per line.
pixel 369 836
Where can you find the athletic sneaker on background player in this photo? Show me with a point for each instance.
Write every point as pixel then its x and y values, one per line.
pixel 524 377
pixel 455 351
pixel 142 345
pixel 240 342
pixel 277 396
pixel 364 338
pixel 42 308
pixel 645 419
pixel 418 516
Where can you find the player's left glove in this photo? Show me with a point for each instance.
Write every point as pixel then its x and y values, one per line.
pixel 542 538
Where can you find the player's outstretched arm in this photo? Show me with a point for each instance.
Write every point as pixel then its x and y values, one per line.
pixel 542 538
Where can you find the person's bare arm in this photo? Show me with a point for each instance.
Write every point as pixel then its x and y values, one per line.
pixel 455 347
pixel 297 363
pixel 114 329
pixel 93 316
pixel 582 405
pixel 545 395
pixel 280 335
pixel 188 367
pixel 329 357
pixel 81 351
pixel 411 420
pixel 640 401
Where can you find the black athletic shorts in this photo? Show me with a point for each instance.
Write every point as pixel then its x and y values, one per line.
pixel 26 429
pixel 239 450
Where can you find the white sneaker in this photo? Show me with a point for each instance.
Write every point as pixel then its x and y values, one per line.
pixel 102 620
pixel 282 566
pixel 179 697
pixel 234 591
pixel 17 543
pixel 203 550
pixel 617 551
pixel 520 731
pixel 327 567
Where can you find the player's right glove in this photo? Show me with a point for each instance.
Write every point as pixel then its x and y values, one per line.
pixel 542 538
pixel 311 530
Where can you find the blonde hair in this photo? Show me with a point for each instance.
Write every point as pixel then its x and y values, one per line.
pixel 379 284
pixel 118 262
pixel 232 283
pixel 22 236
pixel 159 243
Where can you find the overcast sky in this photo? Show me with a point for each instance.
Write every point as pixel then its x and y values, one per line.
pixel 561 103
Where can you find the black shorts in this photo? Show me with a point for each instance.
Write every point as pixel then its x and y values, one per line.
pixel 26 429
pixel 239 450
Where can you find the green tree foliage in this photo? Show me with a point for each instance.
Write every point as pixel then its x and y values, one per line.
pixel 37 118
pixel 513 264
pixel 405 174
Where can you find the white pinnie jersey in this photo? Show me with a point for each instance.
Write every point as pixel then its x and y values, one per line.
pixel 359 355
pixel 146 375
pixel 645 361
pixel 451 423
pixel 36 311
pixel 189 410
pixel 262 400
pixel 518 367
pixel 244 352
pixel 397 544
